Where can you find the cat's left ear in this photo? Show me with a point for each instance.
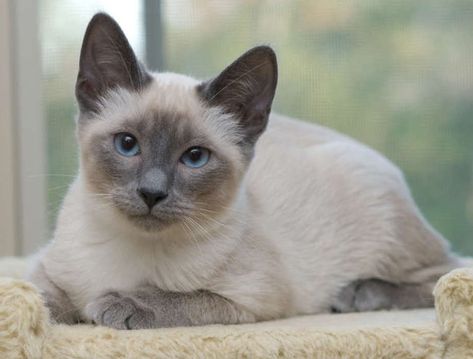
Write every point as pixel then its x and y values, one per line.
pixel 246 89
pixel 106 61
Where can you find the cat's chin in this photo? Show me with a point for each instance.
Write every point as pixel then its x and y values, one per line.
pixel 150 223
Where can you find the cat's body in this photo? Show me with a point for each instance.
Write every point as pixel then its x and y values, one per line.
pixel 311 214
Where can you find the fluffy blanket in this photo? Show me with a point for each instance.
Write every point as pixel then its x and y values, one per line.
pixel 446 332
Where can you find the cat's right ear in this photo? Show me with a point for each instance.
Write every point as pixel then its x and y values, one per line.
pixel 246 89
pixel 106 61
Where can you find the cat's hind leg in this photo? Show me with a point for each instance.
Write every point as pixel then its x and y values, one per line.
pixel 376 294
pixel 381 294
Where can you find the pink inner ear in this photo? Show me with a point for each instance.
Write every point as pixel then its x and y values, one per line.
pixel 260 104
pixel 262 99
pixel 87 87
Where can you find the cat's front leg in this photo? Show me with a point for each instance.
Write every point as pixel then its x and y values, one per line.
pixel 150 307
pixel 61 309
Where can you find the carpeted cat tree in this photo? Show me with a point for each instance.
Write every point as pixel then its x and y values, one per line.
pixel 446 332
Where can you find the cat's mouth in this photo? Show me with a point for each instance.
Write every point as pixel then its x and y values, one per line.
pixel 151 221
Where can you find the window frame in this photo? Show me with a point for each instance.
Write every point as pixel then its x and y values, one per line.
pixel 23 216
pixel 154 34
pixel 8 227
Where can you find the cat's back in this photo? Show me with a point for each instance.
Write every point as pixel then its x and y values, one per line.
pixel 292 146
pixel 307 178
pixel 329 202
pixel 296 133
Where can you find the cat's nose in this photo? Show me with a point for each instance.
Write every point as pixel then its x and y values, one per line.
pixel 152 197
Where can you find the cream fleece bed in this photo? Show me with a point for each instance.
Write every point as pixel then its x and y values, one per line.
pixel 446 332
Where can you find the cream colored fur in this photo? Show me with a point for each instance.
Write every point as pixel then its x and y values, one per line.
pixel 316 211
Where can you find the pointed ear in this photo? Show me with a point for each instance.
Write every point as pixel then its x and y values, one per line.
pixel 246 89
pixel 106 61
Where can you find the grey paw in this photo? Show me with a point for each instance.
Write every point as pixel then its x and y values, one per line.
pixel 375 295
pixel 344 302
pixel 61 310
pixel 119 311
pixel 366 295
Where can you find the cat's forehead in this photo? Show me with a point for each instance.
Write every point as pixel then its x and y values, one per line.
pixel 170 102
pixel 172 93
pixel 167 95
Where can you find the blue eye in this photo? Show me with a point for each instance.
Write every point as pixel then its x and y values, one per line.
pixel 126 144
pixel 195 157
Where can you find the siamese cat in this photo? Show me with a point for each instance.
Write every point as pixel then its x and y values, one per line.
pixel 194 205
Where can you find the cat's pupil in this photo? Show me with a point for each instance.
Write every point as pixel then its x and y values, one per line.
pixel 128 142
pixel 195 154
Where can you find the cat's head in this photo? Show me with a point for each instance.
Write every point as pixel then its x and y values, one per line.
pixel 160 148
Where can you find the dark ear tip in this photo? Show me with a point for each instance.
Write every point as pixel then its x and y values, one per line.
pixel 263 54
pixel 101 17
pixel 104 21
pixel 263 51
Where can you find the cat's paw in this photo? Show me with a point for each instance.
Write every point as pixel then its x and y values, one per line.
pixel 119 311
pixel 61 311
pixel 375 295
pixel 344 301
pixel 365 295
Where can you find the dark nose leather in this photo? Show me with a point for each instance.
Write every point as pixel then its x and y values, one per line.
pixel 151 197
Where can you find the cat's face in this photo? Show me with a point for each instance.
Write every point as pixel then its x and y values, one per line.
pixel 164 149
pixel 160 156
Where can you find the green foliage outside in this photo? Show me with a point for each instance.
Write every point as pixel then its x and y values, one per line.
pixel 397 75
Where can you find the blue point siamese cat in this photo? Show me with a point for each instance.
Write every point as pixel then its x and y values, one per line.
pixel 194 204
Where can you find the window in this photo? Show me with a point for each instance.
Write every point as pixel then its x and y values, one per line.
pixel 396 75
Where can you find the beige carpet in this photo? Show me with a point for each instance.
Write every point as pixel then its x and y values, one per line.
pixel 446 332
